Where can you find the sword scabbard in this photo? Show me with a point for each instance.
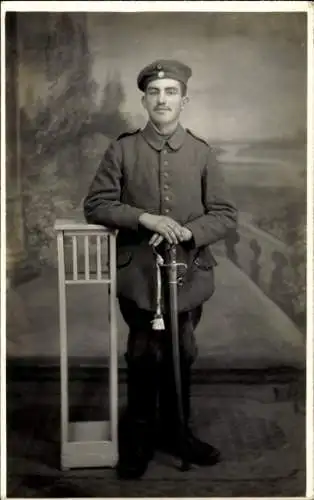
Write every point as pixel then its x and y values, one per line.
pixel 171 264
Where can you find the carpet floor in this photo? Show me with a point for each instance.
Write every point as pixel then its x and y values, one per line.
pixel 259 429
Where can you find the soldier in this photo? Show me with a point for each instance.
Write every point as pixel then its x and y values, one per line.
pixel 160 185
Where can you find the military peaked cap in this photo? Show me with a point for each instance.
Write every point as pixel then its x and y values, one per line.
pixel 163 68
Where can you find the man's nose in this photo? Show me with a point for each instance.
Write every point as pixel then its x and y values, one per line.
pixel 161 97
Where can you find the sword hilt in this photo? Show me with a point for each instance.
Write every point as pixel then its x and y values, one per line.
pixel 171 250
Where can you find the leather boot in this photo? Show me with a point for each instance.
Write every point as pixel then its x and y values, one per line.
pixel 137 426
pixel 170 439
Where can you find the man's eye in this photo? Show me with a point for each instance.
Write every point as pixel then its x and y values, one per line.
pixel 172 91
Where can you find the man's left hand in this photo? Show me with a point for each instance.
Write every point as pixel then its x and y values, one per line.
pixel 156 239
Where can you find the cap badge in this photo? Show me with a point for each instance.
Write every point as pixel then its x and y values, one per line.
pixel 161 74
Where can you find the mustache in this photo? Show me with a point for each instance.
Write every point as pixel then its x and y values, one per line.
pixel 162 108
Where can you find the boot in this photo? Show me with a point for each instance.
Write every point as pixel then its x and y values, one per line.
pixel 170 439
pixel 137 426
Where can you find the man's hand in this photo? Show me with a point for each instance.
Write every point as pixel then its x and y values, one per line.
pixel 164 228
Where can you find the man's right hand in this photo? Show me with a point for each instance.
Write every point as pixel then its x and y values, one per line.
pixel 165 226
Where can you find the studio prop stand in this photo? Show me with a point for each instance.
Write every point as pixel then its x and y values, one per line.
pixel 87 444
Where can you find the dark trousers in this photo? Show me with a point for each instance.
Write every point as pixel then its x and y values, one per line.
pixel 150 363
pixel 144 341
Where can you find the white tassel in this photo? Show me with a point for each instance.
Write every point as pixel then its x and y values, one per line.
pixel 158 321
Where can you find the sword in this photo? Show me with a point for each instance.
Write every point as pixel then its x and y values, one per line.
pixel 171 265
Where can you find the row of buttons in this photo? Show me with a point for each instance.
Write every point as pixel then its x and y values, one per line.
pixel 165 163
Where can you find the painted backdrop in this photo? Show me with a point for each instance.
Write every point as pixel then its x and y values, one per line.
pixel 71 88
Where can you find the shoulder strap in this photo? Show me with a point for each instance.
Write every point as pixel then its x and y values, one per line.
pixel 129 133
pixel 201 139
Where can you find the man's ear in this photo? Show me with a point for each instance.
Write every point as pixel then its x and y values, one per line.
pixel 185 101
pixel 143 101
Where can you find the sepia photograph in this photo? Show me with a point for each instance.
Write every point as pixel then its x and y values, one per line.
pixel 156 198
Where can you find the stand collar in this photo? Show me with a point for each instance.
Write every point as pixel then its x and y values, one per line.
pixel 157 141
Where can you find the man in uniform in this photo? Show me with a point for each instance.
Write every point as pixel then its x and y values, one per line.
pixel 160 185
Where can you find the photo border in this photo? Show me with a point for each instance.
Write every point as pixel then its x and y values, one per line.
pixel 169 6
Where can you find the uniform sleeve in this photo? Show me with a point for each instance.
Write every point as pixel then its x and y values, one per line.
pixel 102 204
pixel 220 213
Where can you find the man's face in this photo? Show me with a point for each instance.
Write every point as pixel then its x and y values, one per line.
pixel 163 101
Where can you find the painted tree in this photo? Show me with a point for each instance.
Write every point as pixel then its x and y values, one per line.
pixel 57 159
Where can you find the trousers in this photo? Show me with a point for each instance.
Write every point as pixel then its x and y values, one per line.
pixel 145 342
pixel 152 419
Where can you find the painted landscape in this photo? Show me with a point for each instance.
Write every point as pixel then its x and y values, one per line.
pixel 76 93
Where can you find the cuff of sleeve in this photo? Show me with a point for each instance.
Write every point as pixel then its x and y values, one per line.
pixel 132 217
pixel 197 232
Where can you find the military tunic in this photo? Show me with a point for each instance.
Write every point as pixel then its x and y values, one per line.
pixel 178 177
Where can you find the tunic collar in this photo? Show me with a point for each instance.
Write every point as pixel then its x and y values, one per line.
pixel 157 141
